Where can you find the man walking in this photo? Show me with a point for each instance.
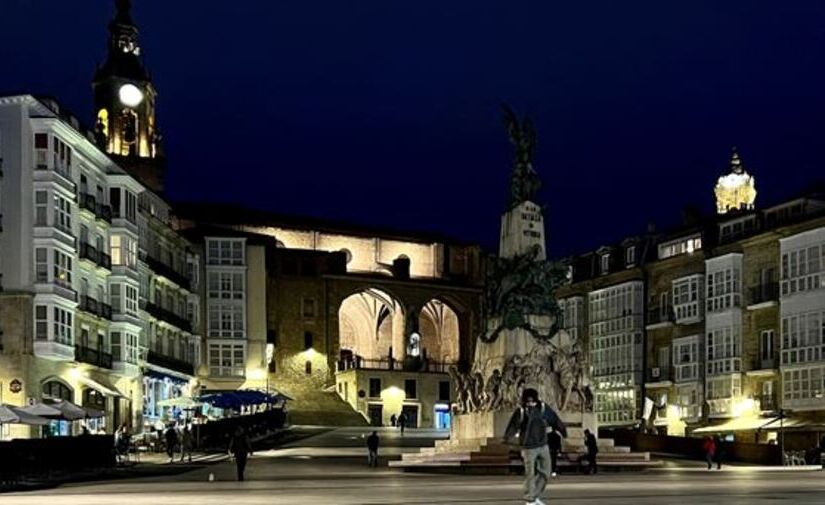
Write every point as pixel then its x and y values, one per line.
pixel 530 424
pixel 186 443
pixel 241 447
pixel 592 446
pixel 171 438
pixel 402 421
pixel 372 447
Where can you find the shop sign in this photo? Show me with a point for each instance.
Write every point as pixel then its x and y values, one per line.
pixel 15 386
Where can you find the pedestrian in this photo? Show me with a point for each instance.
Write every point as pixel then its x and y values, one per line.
pixel 709 446
pixel 186 443
pixel 592 446
pixel 393 420
pixel 372 447
pixel 530 423
pixel 171 438
pixel 402 421
pixel 241 448
pixel 720 453
pixel 554 444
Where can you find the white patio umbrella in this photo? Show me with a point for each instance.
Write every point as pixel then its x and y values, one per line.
pixel 15 415
pixel 181 402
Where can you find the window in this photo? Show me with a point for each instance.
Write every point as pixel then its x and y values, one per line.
pixel 57 390
pixel 680 246
pixel 375 387
pixel 803 269
pixel 41 208
pixel 116 299
pixel 444 391
pixel 605 263
pixel 62 269
pixel 307 340
pixel 227 360
pixel 62 214
pixel 225 252
pixel 686 358
pixel 41 322
pixel 41 264
pixel 686 297
pixel 630 255
pixel 131 206
pixel 41 147
pixel 62 326
pixel 803 337
pixel 308 369
pixel 226 285
pixel 226 320
pixel 123 250
pixel 723 289
pixel 724 350
pixel 308 307
pixel 411 388
pixel 131 306
pixel 124 347
pixel 766 344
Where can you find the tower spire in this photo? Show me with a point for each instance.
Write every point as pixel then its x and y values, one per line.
pixel 125 124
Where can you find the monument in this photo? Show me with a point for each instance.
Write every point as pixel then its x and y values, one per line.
pixel 522 345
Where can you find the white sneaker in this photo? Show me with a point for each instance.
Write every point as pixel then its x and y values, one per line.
pixel 539 502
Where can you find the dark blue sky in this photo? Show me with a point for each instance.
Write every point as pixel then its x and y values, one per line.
pixel 387 112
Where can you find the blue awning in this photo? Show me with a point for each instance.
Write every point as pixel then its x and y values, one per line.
pixel 241 398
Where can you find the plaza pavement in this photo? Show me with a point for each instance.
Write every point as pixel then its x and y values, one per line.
pixel 328 469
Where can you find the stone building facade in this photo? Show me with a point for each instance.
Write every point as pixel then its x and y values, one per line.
pixel 341 304
pixel 733 323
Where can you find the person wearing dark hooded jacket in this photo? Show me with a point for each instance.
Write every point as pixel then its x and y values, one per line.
pixel 530 423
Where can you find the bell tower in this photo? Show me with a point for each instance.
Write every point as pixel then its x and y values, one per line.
pixel 124 97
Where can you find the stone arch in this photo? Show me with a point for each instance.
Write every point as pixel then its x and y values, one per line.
pixel 371 325
pixel 439 326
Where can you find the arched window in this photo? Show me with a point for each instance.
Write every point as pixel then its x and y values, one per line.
pixel 308 367
pixel 57 390
pixel 103 122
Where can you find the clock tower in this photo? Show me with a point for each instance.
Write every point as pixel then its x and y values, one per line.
pixel 124 100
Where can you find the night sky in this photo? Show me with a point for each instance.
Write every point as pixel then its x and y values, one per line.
pixel 388 112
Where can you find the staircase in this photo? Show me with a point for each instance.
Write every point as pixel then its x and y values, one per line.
pixel 491 456
pixel 310 406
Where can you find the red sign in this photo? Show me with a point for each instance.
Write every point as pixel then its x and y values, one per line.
pixel 15 386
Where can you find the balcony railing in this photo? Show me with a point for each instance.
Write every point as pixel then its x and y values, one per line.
pixel 89 304
pixel 170 273
pixel 104 310
pixel 421 365
pixel 660 315
pixel 169 317
pixel 92 356
pixel 88 251
pixel 760 363
pixel 104 212
pixel 768 292
pixel 168 362
pixel 88 202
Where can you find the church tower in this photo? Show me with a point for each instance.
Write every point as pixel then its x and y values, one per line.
pixel 736 190
pixel 124 97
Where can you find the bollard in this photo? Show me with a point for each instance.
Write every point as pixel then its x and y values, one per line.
pixel 211 477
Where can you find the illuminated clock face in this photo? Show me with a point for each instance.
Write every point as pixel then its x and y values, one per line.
pixel 130 95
